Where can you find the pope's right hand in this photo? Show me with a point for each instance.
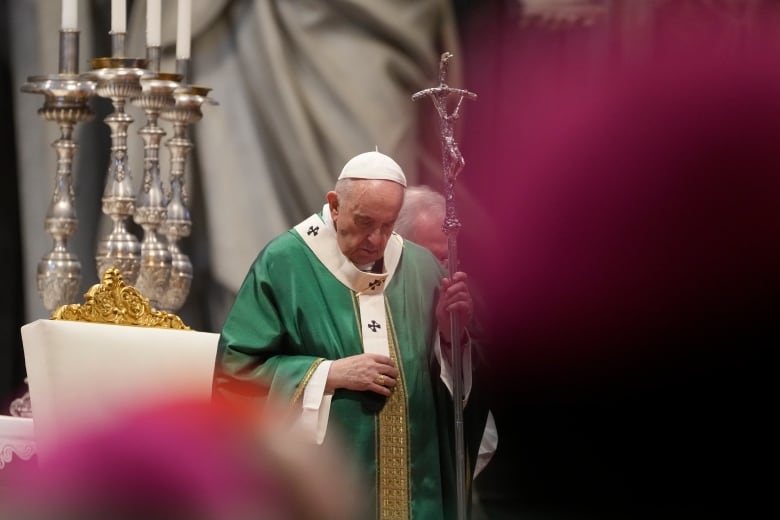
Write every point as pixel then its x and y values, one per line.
pixel 372 372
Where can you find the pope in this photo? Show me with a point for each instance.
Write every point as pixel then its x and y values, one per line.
pixel 350 325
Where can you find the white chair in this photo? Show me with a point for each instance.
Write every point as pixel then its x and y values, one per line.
pixel 110 355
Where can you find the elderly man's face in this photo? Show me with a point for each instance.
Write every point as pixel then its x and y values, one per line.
pixel 364 218
pixel 429 234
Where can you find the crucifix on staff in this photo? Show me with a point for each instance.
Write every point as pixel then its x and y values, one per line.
pixel 452 164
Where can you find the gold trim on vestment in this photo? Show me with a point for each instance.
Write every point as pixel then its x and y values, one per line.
pixel 112 301
pixel 393 443
pixel 302 385
pixel 356 311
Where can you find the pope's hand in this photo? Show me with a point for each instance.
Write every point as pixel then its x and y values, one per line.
pixel 454 296
pixel 362 372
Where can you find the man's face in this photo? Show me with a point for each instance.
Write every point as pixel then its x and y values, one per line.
pixel 429 234
pixel 364 218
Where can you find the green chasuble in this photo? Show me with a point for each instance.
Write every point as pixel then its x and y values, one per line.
pixel 292 312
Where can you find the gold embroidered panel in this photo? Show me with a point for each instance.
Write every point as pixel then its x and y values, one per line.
pixel 393 494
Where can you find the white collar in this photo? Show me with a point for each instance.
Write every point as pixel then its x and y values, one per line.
pixel 319 234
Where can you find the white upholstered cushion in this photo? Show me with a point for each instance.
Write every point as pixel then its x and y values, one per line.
pixel 82 373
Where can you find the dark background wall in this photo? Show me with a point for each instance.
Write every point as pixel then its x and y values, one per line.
pixel 11 294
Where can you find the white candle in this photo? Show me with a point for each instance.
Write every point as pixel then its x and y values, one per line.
pixel 118 16
pixel 153 24
pixel 183 29
pixel 70 15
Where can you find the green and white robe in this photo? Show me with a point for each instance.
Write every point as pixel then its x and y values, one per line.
pixel 304 304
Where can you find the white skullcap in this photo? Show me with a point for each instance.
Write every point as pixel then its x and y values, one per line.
pixel 373 165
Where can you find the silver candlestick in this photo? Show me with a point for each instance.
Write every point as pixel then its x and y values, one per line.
pixel 150 211
pixel 177 225
pixel 65 102
pixel 119 79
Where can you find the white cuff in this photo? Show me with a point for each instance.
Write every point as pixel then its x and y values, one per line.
pixel 315 410
pixel 446 368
